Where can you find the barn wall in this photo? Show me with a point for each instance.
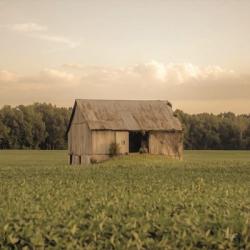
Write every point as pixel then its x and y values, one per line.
pixel 166 143
pixel 122 139
pixel 79 139
pixel 101 141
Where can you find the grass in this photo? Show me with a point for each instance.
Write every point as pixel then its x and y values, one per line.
pixel 139 202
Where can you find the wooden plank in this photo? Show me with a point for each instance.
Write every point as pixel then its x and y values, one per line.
pixel 166 143
pixel 101 141
pixel 79 138
pixel 122 139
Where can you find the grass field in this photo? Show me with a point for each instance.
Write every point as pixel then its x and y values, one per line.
pixel 139 202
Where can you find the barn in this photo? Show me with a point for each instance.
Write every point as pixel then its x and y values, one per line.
pixel 133 126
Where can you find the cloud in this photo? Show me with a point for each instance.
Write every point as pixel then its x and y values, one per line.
pixel 174 73
pixel 73 66
pixel 28 27
pixel 40 32
pixel 152 69
pixel 58 39
pixel 53 75
pixel 185 84
pixel 165 74
pixel 45 79
pixel 7 76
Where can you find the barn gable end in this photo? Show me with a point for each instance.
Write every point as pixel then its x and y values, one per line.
pixel 79 138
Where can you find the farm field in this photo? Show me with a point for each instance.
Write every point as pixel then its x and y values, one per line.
pixel 138 202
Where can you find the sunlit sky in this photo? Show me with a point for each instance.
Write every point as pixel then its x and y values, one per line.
pixel 196 54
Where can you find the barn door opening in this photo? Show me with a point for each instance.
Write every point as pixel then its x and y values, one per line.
pixel 70 159
pixel 137 141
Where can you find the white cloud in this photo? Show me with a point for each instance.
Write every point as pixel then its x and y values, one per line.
pixel 45 79
pixel 152 69
pixel 28 27
pixel 181 73
pixel 166 74
pixel 40 32
pixel 53 75
pixel 7 76
pixel 58 39
pixel 73 66
pixel 180 83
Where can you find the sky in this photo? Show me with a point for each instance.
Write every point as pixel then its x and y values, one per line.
pixel 196 54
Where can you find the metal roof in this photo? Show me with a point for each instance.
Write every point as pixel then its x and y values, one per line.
pixel 128 115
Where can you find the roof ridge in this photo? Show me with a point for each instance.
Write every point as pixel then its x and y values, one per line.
pixel 148 100
pixel 140 114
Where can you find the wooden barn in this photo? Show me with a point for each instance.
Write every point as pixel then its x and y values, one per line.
pixel 132 126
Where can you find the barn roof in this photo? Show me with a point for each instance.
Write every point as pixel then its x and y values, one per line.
pixel 127 115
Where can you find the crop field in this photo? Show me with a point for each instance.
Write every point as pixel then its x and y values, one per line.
pixel 137 202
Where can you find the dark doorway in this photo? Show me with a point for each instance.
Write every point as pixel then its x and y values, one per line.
pixel 138 140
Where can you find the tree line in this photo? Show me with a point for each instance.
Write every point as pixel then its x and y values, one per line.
pixel 209 131
pixel 44 126
pixel 37 126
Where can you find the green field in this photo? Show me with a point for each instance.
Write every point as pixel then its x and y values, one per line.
pixel 138 202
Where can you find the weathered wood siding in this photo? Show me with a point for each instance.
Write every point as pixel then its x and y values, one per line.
pixel 101 141
pixel 122 139
pixel 79 139
pixel 166 143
